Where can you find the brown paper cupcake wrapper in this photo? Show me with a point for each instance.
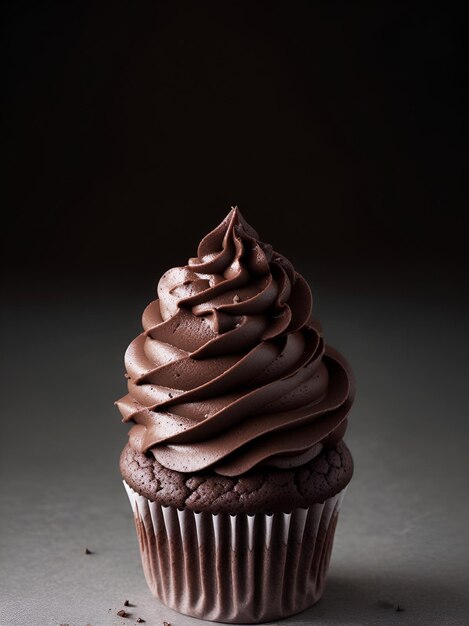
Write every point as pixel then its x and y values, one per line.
pixel 235 568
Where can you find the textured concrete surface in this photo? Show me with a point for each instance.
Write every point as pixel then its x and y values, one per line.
pixel 402 538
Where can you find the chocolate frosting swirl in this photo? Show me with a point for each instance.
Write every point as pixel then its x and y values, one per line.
pixel 231 371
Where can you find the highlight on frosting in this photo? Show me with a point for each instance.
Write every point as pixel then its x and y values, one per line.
pixel 231 371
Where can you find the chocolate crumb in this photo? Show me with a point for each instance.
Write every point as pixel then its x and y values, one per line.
pixel 140 620
pixel 88 551
pixel 127 603
pixel 166 624
pixel 122 613
pixel 385 604
pixel 399 608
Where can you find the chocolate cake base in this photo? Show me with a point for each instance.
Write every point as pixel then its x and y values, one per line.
pixel 266 490
pixel 239 550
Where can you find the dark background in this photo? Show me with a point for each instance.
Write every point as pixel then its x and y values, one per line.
pixel 129 129
pixel 132 127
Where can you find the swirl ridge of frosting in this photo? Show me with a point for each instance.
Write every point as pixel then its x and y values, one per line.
pixel 232 371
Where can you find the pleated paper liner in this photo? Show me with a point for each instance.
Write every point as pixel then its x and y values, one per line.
pixel 235 568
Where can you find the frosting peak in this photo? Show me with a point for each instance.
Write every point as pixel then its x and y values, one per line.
pixel 231 371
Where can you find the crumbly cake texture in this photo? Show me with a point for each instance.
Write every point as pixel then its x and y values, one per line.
pixel 268 490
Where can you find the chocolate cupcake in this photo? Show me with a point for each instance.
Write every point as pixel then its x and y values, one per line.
pixel 236 465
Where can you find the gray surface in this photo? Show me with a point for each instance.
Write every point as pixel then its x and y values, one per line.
pixel 402 536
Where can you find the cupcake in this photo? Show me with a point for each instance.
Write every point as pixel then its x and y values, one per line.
pixel 236 465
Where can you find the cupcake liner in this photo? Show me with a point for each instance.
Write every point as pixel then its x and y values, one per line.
pixel 235 568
